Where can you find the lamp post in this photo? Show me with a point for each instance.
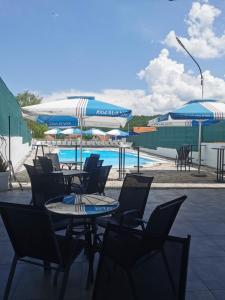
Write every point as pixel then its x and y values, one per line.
pixel 182 45
pixel 199 121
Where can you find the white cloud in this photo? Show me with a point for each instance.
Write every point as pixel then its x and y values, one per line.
pixel 202 40
pixel 168 87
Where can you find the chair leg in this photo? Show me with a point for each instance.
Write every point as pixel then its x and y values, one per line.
pixel 10 278
pixel 132 284
pixel 64 283
pixel 169 272
pixel 90 253
pixel 47 266
pixel 55 278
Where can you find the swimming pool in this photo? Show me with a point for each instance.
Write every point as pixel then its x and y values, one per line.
pixel 110 157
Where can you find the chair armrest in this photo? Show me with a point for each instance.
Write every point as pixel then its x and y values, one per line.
pixel 127 214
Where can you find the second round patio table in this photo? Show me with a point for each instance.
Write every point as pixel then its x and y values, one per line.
pixel 88 207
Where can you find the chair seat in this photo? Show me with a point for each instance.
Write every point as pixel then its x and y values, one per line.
pixel 121 243
pixel 116 220
pixel 69 248
pixel 59 222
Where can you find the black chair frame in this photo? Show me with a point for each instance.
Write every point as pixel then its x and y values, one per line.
pixel 25 248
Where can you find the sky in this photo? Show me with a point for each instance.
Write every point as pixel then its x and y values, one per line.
pixel 119 51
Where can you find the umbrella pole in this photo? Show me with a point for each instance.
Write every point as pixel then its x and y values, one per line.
pixel 199 145
pixel 199 174
pixel 81 141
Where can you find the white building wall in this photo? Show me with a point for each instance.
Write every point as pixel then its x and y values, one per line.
pixel 209 155
pixel 19 150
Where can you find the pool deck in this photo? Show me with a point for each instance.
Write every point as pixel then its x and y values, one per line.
pixel 164 172
pixel 202 215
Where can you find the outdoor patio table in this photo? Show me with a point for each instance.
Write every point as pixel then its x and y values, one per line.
pixel 88 207
pixel 70 164
pixel 69 174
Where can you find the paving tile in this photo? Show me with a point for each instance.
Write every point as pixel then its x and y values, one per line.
pixel 200 296
pixel 202 215
pixel 219 294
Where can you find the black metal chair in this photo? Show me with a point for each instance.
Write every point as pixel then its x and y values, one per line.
pixel 103 176
pixel 144 264
pixel 95 155
pixel 100 162
pixel 45 187
pixel 184 157
pixel 37 166
pixel 91 162
pixel 55 161
pixel 90 185
pixel 133 197
pixel 31 171
pixel 31 234
pixel 46 164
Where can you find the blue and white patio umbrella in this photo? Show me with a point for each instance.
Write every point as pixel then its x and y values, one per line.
pixel 200 111
pixel 94 131
pixel 117 132
pixel 53 131
pixel 78 111
pixel 85 111
pixel 72 131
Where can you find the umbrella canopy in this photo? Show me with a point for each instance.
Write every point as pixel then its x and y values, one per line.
pixel 94 131
pixel 53 131
pixel 117 132
pixel 75 131
pixel 77 110
pixel 179 123
pixel 198 110
pixel 86 111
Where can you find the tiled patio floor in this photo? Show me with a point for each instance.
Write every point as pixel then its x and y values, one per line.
pixel 202 216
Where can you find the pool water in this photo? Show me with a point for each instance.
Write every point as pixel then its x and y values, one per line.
pixel 110 157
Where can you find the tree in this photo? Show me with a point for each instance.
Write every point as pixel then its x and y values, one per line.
pixel 26 98
pixel 138 121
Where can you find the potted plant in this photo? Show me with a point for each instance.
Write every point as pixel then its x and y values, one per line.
pixel 4 174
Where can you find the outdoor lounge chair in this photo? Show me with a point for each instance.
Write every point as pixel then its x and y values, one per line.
pixel 31 233
pixel 149 264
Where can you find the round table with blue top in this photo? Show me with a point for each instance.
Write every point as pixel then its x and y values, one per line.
pixel 87 207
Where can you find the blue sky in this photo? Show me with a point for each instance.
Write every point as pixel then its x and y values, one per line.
pixel 59 46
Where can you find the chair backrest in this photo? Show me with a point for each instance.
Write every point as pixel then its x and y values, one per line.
pixel 163 217
pixel 47 186
pixel 100 162
pixel 30 231
pixel 38 166
pixel 103 176
pixel 46 164
pixel 150 279
pixel 91 163
pixel 55 160
pixel 95 155
pixel 134 193
pixel 32 171
pixel 92 183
